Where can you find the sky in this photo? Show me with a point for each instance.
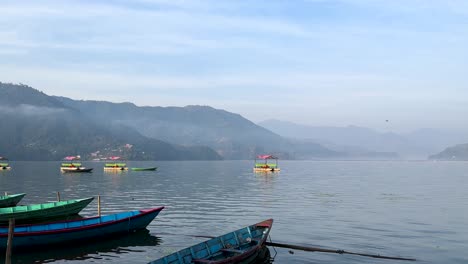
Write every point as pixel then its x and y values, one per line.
pixel 312 62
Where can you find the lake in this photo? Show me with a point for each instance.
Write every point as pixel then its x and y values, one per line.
pixel 396 208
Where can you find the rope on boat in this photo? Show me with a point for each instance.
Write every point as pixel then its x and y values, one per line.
pixel 276 252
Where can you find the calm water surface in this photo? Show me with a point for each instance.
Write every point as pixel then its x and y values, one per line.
pixel 409 209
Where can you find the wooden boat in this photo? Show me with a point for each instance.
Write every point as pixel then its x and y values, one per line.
pixel 4 165
pixel 240 246
pixel 62 232
pixel 38 212
pixel 77 170
pixel 145 169
pixel 114 165
pixel 265 166
pixel 73 166
pixel 10 200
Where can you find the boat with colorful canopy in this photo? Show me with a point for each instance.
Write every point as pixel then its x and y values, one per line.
pixel 71 166
pixel 115 165
pixel 4 165
pixel 265 166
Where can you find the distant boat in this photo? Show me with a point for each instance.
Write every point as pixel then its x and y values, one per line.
pixel 38 212
pixel 11 200
pixel 77 170
pixel 265 166
pixel 240 246
pixel 145 169
pixel 4 165
pixel 73 166
pixel 115 166
pixel 85 229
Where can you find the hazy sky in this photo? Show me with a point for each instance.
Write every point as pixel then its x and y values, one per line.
pixel 315 62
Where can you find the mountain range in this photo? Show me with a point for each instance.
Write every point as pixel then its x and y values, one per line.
pixel 37 126
pixel 43 127
pixel 361 142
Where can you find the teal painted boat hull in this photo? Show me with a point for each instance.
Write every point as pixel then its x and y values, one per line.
pixel 40 212
pixel 145 169
pixel 241 246
pixel 65 232
pixel 11 200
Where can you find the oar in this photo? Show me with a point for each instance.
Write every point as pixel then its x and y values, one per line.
pixel 325 250
pixel 332 251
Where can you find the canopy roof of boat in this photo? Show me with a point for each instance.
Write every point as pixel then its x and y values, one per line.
pixel 72 157
pixel 266 157
pixel 114 158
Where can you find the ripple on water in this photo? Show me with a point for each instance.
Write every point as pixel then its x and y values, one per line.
pixel 393 208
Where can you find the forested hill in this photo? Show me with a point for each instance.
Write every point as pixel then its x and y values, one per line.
pixel 36 126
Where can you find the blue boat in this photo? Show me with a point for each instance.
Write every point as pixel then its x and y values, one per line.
pixel 64 232
pixel 241 246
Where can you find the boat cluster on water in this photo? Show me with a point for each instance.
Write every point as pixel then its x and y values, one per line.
pixel 35 226
pixel 114 164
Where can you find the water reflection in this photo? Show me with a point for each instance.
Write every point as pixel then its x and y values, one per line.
pixel 88 250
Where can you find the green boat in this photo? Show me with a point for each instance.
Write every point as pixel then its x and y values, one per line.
pixel 10 200
pixel 145 169
pixel 38 212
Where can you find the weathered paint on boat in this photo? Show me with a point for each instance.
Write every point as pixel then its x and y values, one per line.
pixel 144 169
pixel 11 200
pixel 37 235
pixel 37 212
pixel 240 246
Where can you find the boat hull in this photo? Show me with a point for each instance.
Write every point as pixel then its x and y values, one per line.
pixel 77 170
pixel 39 212
pixel 38 235
pixel 11 200
pixel 115 169
pixel 144 169
pixel 266 169
pixel 241 246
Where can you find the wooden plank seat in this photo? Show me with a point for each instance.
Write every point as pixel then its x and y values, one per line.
pixel 201 260
pixel 232 250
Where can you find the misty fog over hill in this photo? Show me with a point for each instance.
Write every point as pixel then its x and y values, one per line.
pixel 358 141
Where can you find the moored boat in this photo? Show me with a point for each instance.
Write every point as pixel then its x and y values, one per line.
pixel 145 169
pixel 240 246
pixel 114 165
pixel 39 212
pixel 62 232
pixel 4 165
pixel 73 166
pixel 11 199
pixel 265 166
pixel 77 170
